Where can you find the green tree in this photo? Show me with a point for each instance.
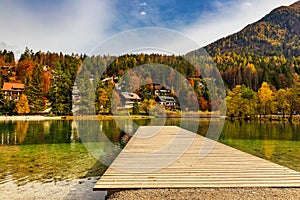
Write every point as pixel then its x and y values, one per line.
pixel 61 91
pixel 250 100
pixel 8 107
pixel 34 91
pixel 136 108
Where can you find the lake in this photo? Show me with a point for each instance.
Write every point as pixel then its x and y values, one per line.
pixel 38 158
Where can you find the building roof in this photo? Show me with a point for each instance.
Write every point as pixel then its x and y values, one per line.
pixel 7 86
pixel 166 99
pixel 130 96
pixel 161 87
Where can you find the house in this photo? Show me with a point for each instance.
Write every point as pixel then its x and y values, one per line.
pixel 166 101
pixel 161 90
pixel 12 91
pixel 129 98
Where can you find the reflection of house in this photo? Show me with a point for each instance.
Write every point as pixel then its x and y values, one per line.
pixel 161 90
pixel 166 101
pixel 128 99
pixel 12 91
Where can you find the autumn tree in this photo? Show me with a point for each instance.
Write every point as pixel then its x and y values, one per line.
pixel 281 102
pixel 103 98
pixel 265 96
pixel 22 106
pixel 203 104
pixel 46 81
pixel 146 105
pixel 293 98
pixel 234 102
pixel 25 66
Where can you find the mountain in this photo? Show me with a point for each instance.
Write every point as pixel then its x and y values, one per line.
pixel 275 34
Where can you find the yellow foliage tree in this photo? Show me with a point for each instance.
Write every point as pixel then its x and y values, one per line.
pixel 281 102
pixel 103 98
pixel 265 95
pixel 22 106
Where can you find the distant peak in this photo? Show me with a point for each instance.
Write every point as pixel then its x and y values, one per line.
pixel 296 4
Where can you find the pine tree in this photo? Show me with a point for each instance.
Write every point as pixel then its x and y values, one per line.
pixel 34 91
pixel 61 91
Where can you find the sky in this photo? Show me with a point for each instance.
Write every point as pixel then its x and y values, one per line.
pixel 79 26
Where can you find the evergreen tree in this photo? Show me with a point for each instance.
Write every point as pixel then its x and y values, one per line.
pixel 34 91
pixel 61 91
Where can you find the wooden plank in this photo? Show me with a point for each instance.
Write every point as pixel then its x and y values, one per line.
pixel 139 165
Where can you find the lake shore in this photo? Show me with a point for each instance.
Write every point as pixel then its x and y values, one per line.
pixel 29 118
pixel 207 193
pixel 203 115
pixel 62 190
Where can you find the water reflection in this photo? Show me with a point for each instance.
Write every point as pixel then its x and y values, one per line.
pixel 38 132
pixel 275 141
pixel 49 151
pixel 261 130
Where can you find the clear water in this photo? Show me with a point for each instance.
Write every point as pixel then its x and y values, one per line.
pixel 52 151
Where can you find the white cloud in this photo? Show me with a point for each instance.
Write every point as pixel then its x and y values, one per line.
pixel 143 13
pixel 147 40
pixel 230 18
pixel 72 27
pixel 77 26
pixel 248 4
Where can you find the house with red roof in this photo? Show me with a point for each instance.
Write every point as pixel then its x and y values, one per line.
pixel 12 91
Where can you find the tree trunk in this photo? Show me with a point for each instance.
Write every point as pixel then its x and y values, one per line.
pixel 291 117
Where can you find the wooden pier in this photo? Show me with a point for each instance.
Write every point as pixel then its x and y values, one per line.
pixel 171 159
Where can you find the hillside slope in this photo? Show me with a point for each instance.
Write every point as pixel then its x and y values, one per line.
pixel 275 34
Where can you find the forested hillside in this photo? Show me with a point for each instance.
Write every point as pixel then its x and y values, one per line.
pixel 267 50
pixel 276 34
pixel 48 79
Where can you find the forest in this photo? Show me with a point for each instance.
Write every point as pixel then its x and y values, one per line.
pixel 255 85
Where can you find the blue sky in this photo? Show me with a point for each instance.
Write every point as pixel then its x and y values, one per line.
pixel 79 25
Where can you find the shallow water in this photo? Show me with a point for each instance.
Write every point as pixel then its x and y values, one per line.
pixel 275 141
pixel 58 156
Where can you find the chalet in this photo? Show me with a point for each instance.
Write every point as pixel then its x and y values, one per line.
pixel 12 91
pixel 129 98
pixel 166 101
pixel 162 90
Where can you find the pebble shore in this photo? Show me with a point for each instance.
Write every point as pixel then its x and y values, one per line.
pixel 208 194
